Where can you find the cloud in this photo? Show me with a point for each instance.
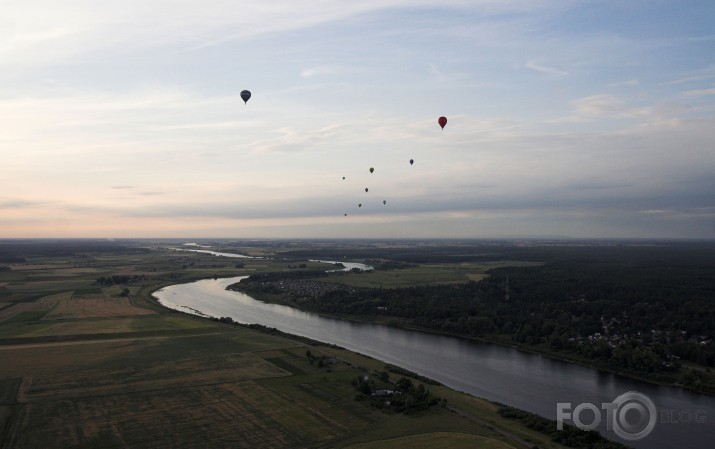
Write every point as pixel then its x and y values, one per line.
pixel 606 106
pixel 699 92
pixel 595 185
pixel 38 32
pixel 633 82
pixel 22 203
pixel 319 70
pixel 547 70
pixel 599 105
pixel 697 75
pixel 290 139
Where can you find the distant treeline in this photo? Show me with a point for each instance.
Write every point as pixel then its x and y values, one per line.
pixel 119 279
pixel 17 251
pixel 387 265
pixel 421 252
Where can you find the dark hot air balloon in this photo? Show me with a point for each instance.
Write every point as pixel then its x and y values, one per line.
pixel 343 177
pixel 366 189
pixel 384 201
pixel 412 161
pixel 442 121
pixel 372 169
pixel 360 205
pixel 245 95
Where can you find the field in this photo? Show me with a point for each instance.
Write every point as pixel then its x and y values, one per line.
pixel 425 274
pixel 85 363
pixel 442 440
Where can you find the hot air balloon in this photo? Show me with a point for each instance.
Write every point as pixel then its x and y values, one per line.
pixel 412 161
pixel 365 189
pixel 384 201
pixel 372 169
pixel 346 215
pixel 343 177
pixel 442 121
pixel 360 205
pixel 245 95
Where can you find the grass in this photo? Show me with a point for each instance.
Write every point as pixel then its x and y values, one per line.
pixel 281 363
pixel 88 291
pixel 422 275
pixel 242 415
pixel 24 317
pixel 8 390
pixel 442 440
pixel 111 327
pixel 171 380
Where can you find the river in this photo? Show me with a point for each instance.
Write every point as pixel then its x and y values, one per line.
pixel 347 266
pixel 520 379
pixel 214 253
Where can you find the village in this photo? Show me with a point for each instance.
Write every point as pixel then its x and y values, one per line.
pixel 299 289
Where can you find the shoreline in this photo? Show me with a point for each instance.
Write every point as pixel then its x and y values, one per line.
pixel 527 349
pixel 501 424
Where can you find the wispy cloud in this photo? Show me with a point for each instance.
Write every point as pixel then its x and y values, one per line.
pixel 600 106
pixel 319 70
pixel 290 139
pixel 38 29
pixel 545 69
pixel 22 203
pixel 628 83
pixel 699 92
pixel 703 74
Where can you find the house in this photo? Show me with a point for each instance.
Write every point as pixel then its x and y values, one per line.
pixel 383 392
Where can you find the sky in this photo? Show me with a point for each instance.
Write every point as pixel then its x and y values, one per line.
pixel 574 118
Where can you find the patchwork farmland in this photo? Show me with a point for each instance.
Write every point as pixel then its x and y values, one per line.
pixel 84 364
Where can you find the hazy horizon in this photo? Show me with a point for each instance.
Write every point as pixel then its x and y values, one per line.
pixel 206 242
pixel 573 119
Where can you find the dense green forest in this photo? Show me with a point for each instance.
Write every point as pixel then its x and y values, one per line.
pixel 643 310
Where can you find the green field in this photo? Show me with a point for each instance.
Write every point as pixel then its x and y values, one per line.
pixel 442 440
pixel 425 274
pixel 83 366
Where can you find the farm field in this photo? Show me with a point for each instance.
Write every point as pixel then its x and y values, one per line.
pixel 87 362
pixel 425 274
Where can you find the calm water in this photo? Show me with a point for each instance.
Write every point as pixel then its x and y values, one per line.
pixel 348 265
pixel 214 253
pixel 519 379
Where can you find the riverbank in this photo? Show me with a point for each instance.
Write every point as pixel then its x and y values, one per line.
pixel 502 340
pixel 488 413
pixel 194 382
pixel 498 373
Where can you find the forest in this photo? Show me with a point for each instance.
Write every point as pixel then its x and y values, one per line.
pixel 643 310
